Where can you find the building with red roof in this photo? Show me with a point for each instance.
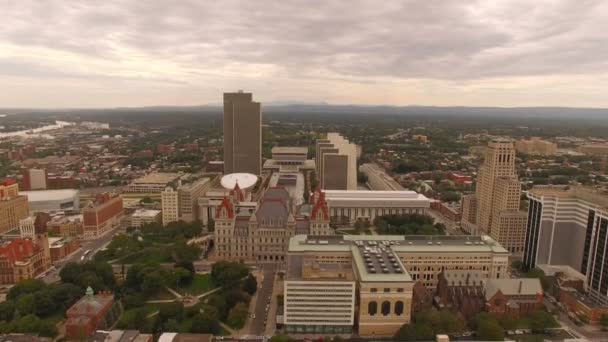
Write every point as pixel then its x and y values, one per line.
pixel 20 259
pixel 90 313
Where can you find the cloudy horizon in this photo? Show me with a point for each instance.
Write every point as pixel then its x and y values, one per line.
pixel 460 53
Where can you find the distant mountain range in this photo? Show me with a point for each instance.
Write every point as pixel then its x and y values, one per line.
pixel 316 108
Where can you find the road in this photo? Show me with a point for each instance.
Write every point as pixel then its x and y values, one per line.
pixel 453 228
pixel 258 324
pixel 93 245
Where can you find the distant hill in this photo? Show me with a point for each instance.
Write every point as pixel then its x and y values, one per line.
pixel 526 112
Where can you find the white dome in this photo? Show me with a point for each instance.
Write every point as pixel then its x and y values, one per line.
pixel 245 180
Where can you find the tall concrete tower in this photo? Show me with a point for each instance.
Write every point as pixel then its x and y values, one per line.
pixel 242 134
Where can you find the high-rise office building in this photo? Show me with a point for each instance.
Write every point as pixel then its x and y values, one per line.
pixel 169 205
pixel 242 134
pixel 336 161
pixel 497 198
pixel 568 226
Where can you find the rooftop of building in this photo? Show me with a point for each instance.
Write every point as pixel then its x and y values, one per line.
pixel 375 256
pixel 289 150
pixel 146 213
pixel 378 195
pixel 49 195
pixel 119 336
pixel 407 243
pixel 158 178
pixel 595 196
pixel 513 287
pixel 181 337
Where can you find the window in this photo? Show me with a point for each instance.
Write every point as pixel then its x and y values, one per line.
pixel 373 290
pixel 386 308
pixel 400 289
pixel 386 289
pixel 399 308
pixel 372 308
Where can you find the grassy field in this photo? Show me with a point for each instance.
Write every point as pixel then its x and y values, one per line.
pixel 201 284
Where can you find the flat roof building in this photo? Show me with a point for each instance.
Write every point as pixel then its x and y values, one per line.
pixel 336 162
pixel 378 179
pixel 289 159
pixel 145 216
pixel 377 273
pixel 351 205
pixel 569 226
pixel 242 133
pixel 154 182
pixel 53 200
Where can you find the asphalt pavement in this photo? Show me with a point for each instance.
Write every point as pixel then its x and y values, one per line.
pixel 79 256
pixel 258 324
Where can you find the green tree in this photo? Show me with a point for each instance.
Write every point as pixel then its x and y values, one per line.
pixel 541 320
pixel 25 304
pixel 211 225
pixel 152 282
pixel 228 273
pixel 238 315
pixel 7 310
pixel 70 272
pixel 44 304
pixel 490 330
pixel 250 285
pixel 604 321
pixel 205 324
pixel 173 310
pixel 280 338
pixel 25 287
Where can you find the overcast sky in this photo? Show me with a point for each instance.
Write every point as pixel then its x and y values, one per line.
pixel 141 53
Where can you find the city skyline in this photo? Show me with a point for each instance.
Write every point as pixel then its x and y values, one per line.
pixel 404 53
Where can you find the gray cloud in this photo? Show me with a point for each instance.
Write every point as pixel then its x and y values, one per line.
pixel 357 41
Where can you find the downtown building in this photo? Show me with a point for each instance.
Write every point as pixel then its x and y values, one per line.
pixel 339 284
pixel 568 227
pixel 181 203
pixel 13 206
pixel 350 206
pixel 102 215
pixel 242 134
pixel 497 199
pixel 336 163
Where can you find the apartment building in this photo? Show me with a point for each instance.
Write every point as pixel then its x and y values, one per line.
pixel 569 226
pixel 336 162
pixel 379 273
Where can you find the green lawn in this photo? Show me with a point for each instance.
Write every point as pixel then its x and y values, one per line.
pixel 201 284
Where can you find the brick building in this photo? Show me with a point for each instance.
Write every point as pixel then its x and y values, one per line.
pixel 517 297
pixel 88 314
pixel 62 247
pixel 102 215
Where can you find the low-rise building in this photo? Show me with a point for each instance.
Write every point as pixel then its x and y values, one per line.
pixel 90 313
pixel 61 247
pixel 289 159
pixel 152 183
pixel 64 226
pixel 145 216
pixel 53 200
pixel 348 206
pixel 514 297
